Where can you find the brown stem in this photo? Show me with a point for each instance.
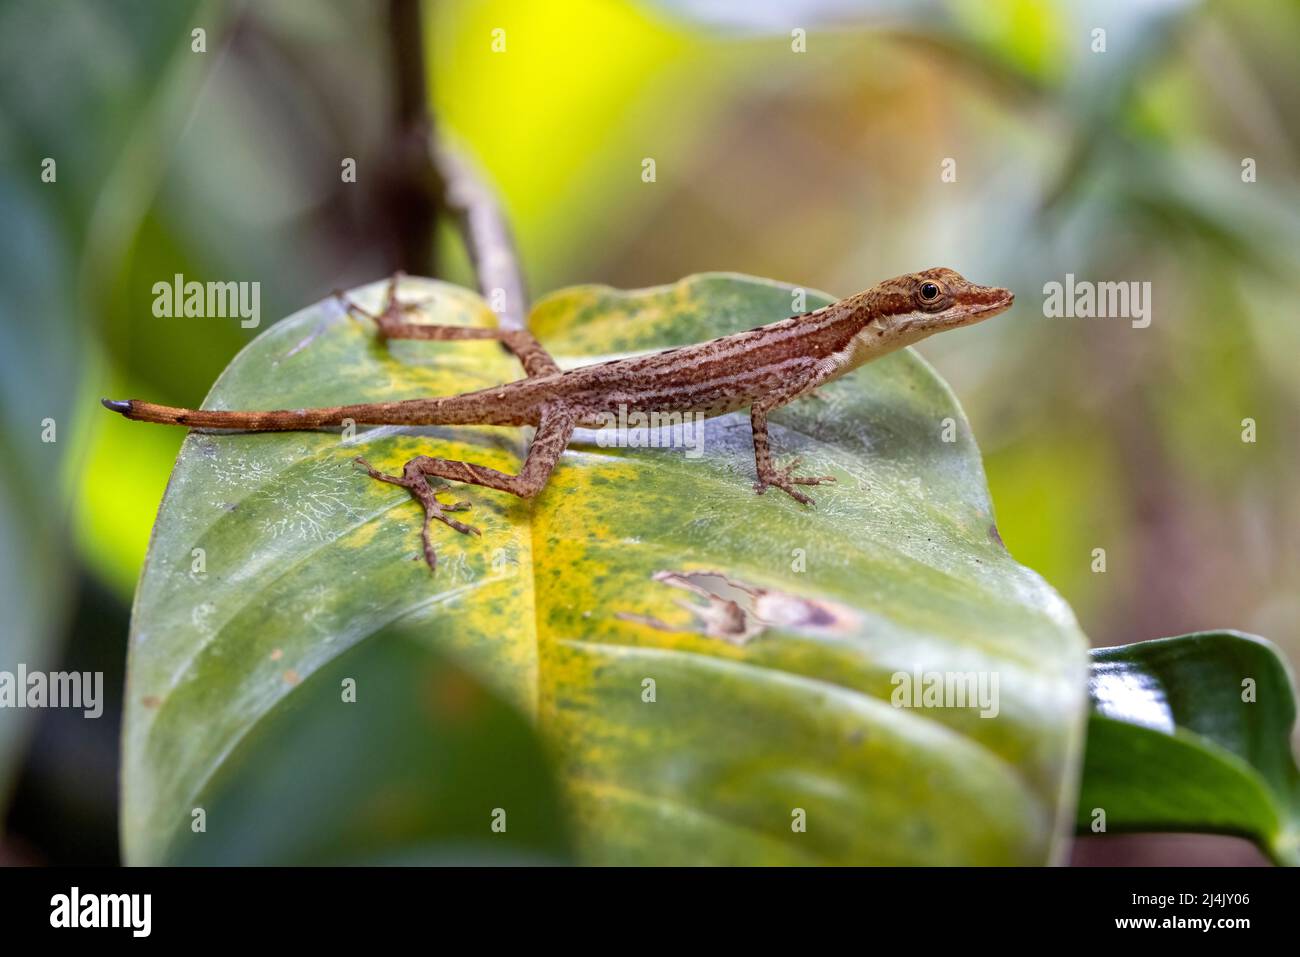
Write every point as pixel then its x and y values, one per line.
pixel 412 196
pixel 485 233
pixel 435 174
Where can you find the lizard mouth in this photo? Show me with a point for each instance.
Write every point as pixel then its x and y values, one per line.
pixel 986 302
pixel 992 310
pixel 994 301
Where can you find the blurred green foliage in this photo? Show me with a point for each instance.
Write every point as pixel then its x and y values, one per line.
pixel 820 168
pixel 389 754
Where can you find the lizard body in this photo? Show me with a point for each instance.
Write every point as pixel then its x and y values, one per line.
pixel 762 369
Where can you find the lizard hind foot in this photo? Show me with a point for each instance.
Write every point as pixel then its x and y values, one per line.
pixel 436 511
pixel 415 482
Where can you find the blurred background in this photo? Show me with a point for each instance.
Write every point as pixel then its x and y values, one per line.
pixel 820 166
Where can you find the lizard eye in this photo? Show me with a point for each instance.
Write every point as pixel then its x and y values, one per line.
pixel 929 293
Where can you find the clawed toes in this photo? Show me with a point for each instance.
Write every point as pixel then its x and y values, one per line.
pixel 797 496
pixel 459 526
pixel 436 510
pixel 785 477
pixel 439 514
pixel 374 473
pixel 786 481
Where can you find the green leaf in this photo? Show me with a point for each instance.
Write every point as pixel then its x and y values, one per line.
pixel 1194 734
pixel 380 758
pixel 709 667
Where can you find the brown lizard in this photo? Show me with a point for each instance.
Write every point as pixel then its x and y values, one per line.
pixel 763 368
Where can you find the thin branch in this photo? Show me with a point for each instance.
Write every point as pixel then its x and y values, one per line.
pixel 432 173
pixel 406 40
pixel 411 197
pixel 485 233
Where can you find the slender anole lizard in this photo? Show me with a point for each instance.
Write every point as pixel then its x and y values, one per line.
pixel 763 369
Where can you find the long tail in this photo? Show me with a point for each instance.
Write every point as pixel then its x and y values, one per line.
pixel 447 411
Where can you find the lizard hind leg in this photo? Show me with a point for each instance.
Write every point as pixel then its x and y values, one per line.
pixel 555 427
pixel 417 483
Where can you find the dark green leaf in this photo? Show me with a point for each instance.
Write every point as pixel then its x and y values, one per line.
pixel 1194 734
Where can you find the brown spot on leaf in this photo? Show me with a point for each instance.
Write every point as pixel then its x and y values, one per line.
pixel 738 612
pixel 291 677
pixel 151 701
pixel 277 654
pixel 450 696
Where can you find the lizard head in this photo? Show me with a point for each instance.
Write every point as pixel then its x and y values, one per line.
pixel 909 308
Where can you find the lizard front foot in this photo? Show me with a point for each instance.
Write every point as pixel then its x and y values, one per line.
pixel 415 482
pixel 786 480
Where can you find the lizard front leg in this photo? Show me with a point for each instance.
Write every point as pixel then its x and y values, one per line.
pixel 769 475
pixel 392 325
pixel 554 430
